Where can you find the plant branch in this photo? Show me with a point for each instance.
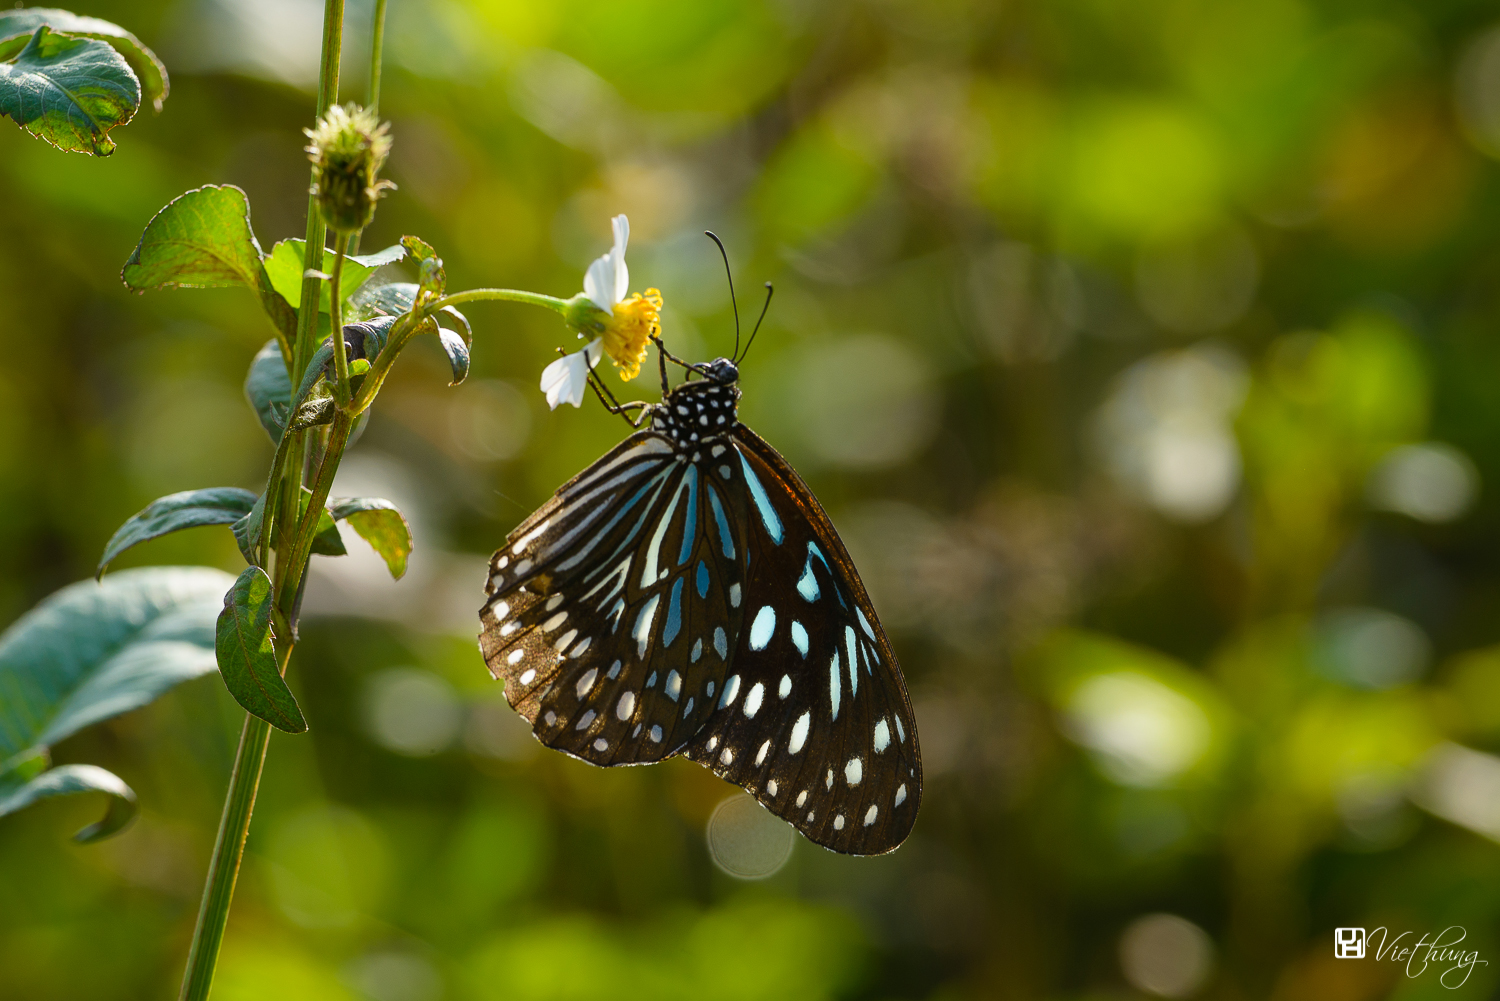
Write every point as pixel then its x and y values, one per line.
pixel 239 802
pixel 377 51
pixel 336 321
pixel 500 294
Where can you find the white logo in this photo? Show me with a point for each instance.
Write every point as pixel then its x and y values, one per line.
pixel 1349 943
pixel 1440 951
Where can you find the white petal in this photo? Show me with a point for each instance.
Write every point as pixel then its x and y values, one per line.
pixel 622 273
pixel 598 282
pixel 565 380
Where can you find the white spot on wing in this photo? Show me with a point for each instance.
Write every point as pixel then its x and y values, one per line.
pixel 731 691
pixel 785 687
pixel 554 622
pixel 900 794
pixel 802 797
pixel 601 744
pixel 760 757
pixel 753 699
pixel 585 720
pixel 799 735
pixel 727 757
pixel 833 683
pixel 529 676
pixel 514 657
pixel 882 736
pixel 721 643
pixel 656 735
pixel 626 705
pixel 870 814
pixel 553 602
pixel 864 623
pixel 587 681
pixel 838 822
pixel 500 609
pixel 799 637
pixel 771 788
pixel 763 628
pixel 564 640
pixel 734 595
pixel 674 685
pixel 854 771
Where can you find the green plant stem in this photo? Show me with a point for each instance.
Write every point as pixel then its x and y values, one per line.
pixel 377 51
pixel 336 322
pixel 338 438
pixel 229 849
pixel 239 802
pixel 500 294
pixel 328 95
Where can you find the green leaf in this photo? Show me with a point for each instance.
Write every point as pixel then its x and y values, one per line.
pixel 247 530
pixel 247 659
pixel 267 383
pixel 326 539
pixel 203 239
pixel 383 300
pixel 69 91
pixel 68 780
pixel 174 512
pixel 380 524
pixel 15 25
pixel 95 650
pixel 285 269
pixel 457 352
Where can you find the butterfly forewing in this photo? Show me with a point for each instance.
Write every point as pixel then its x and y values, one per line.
pixel 610 610
pixel 814 720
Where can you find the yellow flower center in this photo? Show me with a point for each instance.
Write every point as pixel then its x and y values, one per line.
pixel 629 329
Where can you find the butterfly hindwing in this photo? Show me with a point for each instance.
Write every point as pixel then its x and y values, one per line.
pixel 814 719
pixel 610 610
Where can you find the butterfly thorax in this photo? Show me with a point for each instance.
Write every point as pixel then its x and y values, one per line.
pixel 699 410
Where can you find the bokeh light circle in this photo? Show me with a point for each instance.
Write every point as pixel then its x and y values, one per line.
pixel 747 841
pixel 1166 955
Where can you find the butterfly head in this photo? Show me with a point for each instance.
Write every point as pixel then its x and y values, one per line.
pixel 722 371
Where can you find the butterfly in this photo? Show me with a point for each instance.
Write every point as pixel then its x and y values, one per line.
pixel 687 594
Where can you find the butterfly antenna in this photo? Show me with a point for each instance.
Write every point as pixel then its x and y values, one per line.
pixel 770 291
pixel 730 275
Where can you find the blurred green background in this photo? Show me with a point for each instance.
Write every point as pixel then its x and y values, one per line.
pixel 1143 353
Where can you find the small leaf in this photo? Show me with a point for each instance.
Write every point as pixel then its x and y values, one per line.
pixel 174 512
pixel 458 322
pixel 366 339
pixel 95 650
pixel 458 354
pixel 315 412
pixel 247 530
pixel 268 387
pixel 68 780
pixel 380 524
pixel 326 538
pixel 15 25
pixel 431 276
pixel 285 269
pixel 247 658
pixel 69 91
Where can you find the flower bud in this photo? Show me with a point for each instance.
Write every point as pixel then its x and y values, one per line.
pixel 348 148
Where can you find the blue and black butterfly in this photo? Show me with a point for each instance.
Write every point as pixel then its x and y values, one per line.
pixel 688 594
